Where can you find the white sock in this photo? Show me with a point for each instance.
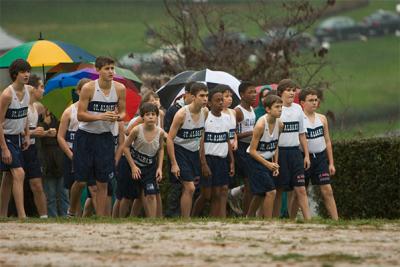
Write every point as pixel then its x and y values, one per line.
pixel 236 191
pixel 44 217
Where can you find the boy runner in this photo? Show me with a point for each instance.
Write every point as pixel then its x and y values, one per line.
pixel 263 150
pixel 319 148
pixel 101 104
pixel 14 101
pixel 183 143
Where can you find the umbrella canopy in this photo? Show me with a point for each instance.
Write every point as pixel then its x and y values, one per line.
pixel 70 67
pixel 174 87
pixel 44 53
pixel 58 95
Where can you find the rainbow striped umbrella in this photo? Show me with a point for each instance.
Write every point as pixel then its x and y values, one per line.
pixel 44 53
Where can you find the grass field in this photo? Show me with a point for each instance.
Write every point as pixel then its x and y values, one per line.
pixel 200 242
pixel 363 75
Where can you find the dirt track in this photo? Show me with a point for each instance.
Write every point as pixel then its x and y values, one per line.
pixel 198 244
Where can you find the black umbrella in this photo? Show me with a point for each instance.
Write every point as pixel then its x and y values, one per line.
pixel 171 90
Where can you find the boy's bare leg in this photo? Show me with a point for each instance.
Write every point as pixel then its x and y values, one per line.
pixel 38 195
pixel 187 198
pixel 224 200
pixel 137 207
pixel 202 199
pixel 255 203
pixel 88 209
pixel 76 191
pixel 151 204
pixel 93 192
pixel 268 205
pixel 5 193
pixel 18 176
pixel 247 196
pixel 109 206
pixel 115 210
pixel 215 201
pixel 159 206
pixel 277 203
pixel 293 205
pixel 329 200
pixel 302 201
pixel 101 198
pixel 124 207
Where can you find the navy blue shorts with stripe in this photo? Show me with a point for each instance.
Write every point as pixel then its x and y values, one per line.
pixel 188 162
pixel 94 156
pixel 220 172
pixel 291 168
pixel 261 179
pixel 32 166
pixel 318 173
pixel 14 146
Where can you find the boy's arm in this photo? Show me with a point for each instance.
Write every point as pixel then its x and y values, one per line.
pixel 304 145
pixel 257 134
pixel 121 90
pixel 329 150
pixel 135 170
pixel 239 118
pixel 231 157
pixel 205 170
pixel 62 130
pixel 176 125
pixel 121 141
pixel 5 101
pixel 160 157
pixel 27 136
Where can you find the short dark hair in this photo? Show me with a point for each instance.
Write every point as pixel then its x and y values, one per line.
pixel 148 95
pixel 271 99
pixel 17 66
pixel 245 85
pixel 148 107
pixel 34 80
pixel 81 83
pixel 309 91
pixel 223 88
pixel 214 91
pixel 187 86
pixel 285 84
pixel 102 61
pixel 196 87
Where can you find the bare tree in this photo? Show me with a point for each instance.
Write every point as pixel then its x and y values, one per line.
pixel 203 35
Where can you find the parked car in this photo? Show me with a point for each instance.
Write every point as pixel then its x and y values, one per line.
pixel 300 41
pixel 381 22
pixel 337 28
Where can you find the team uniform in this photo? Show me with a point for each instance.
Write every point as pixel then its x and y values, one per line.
pixel 241 156
pixel 187 143
pixel 32 165
pixel 318 172
pixel 69 177
pixel 261 180
pixel 13 127
pixel 145 154
pixel 216 135
pixel 94 142
pixel 291 166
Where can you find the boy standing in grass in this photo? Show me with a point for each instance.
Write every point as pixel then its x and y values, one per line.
pixel 263 150
pixel 146 142
pixel 14 136
pixel 290 160
pixel 319 149
pixel 183 143
pixel 101 103
pixel 216 157
pixel 246 119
